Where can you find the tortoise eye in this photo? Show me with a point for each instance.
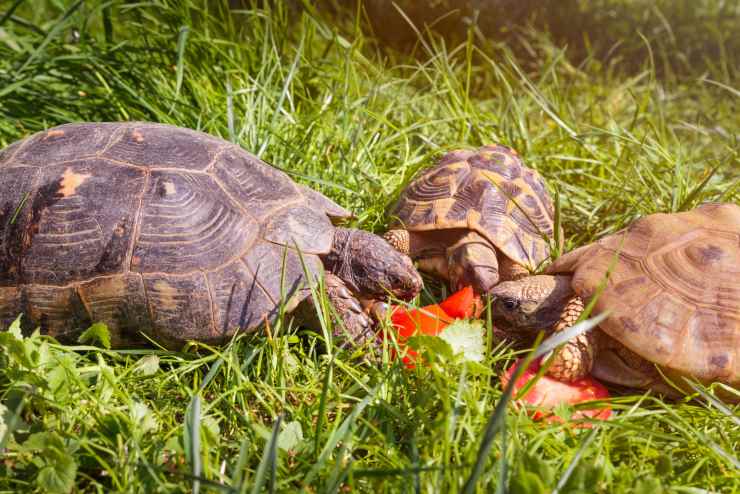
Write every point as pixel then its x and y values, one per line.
pixel 509 303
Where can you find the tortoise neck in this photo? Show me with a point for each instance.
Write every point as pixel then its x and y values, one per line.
pixel 337 260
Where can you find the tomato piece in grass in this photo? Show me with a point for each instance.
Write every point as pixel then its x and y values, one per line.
pixel 462 304
pixel 429 320
pixel 547 393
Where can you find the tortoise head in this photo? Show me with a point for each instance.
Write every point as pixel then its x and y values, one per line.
pixel 533 302
pixel 371 267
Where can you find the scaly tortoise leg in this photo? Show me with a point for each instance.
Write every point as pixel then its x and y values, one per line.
pixel 399 239
pixel 576 358
pixel 351 325
pixel 434 266
pixel 461 257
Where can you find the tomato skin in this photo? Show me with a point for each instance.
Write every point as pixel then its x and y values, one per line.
pixel 429 320
pixel 462 304
pixel 548 392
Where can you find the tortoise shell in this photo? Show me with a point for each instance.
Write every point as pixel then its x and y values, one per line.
pixel 489 191
pixel 151 228
pixel 673 291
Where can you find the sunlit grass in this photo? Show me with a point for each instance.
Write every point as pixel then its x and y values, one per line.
pixel 348 117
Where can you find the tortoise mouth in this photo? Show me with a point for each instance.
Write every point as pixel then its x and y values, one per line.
pixel 407 293
pixel 508 326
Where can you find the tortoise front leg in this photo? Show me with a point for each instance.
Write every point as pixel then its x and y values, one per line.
pixel 351 325
pixel 400 240
pixel 576 358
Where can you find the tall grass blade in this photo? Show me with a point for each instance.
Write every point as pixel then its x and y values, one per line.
pixel 340 434
pixel 212 372
pixel 691 196
pixel 574 462
pixel 8 13
pixel 230 112
pixel 12 424
pixel 325 385
pixel 108 23
pixel 237 478
pixel 712 400
pixel 182 40
pixel 269 460
pixel 192 438
pixel 283 95
pixel 53 32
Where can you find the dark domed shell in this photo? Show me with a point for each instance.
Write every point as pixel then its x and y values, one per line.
pixel 152 227
pixel 673 291
pixel 489 191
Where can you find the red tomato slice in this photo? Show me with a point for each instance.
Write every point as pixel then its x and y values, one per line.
pixel 462 304
pixel 432 319
pixel 548 392
pixel 429 320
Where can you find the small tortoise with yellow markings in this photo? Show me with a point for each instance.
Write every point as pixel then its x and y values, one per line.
pixel 673 296
pixel 174 234
pixel 476 218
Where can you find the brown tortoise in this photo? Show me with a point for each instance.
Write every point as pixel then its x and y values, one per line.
pixel 673 296
pixel 175 234
pixel 476 218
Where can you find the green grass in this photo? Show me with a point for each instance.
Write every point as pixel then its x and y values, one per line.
pixel 315 95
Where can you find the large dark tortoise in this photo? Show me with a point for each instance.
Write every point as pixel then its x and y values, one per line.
pixel 175 234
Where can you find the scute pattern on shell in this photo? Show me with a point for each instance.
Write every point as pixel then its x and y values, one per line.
pixel 152 227
pixel 674 289
pixel 488 190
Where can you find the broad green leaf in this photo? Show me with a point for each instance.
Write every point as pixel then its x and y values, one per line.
pixel 465 338
pixel 291 436
pixel 106 384
pixel 62 373
pixel 431 344
pixel 56 464
pixel 37 441
pixel 15 328
pixel 147 366
pixel 210 429
pixel 57 476
pixel 143 417
pixel 98 332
